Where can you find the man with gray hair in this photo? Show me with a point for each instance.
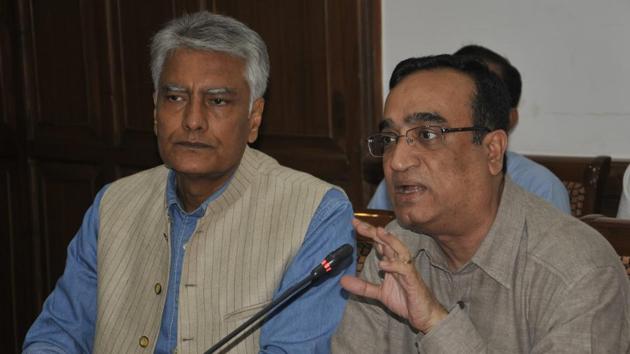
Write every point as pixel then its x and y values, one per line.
pixel 175 257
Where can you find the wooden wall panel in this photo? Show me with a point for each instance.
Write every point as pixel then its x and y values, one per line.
pixel 318 109
pixel 63 68
pixel 352 106
pixel 7 83
pixel 297 45
pixel 21 294
pixel 62 193
pixel 76 112
pixel 9 326
pixel 134 26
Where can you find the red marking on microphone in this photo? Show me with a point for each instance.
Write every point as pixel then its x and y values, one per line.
pixel 326 265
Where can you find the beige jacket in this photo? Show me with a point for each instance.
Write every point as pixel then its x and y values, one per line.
pixel 233 262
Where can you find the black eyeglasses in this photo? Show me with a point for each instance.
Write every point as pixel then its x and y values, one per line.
pixel 430 137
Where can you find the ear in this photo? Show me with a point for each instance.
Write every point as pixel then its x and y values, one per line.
pixel 495 144
pixel 155 112
pixel 513 119
pixel 255 118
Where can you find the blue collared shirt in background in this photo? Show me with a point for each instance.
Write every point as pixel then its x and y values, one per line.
pixel 67 321
pixel 529 175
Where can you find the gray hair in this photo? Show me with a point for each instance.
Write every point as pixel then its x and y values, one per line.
pixel 216 33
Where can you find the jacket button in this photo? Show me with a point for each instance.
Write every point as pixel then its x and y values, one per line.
pixel 144 341
pixel 158 288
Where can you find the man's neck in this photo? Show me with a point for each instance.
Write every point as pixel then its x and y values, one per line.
pixel 459 249
pixel 461 246
pixel 192 191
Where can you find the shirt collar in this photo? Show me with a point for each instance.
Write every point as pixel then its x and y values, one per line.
pixel 498 251
pixel 172 200
pixel 496 256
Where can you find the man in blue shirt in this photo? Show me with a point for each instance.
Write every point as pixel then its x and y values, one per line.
pixel 528 174
pixel 175 257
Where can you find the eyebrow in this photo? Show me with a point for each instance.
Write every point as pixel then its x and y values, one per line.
pixel 210 91
pixel 414 118
pixel 385 123
pixel 425 117
pixel 172 88
pixel 221 90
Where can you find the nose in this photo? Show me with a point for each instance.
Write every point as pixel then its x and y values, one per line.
pixel 401 156
pixel 195 116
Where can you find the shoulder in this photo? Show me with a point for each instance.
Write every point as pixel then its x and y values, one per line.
pixel 335 198
pixel 157 173
pixel 268 169
pixel 538 180
pixel 530 174
pixel 138 184
pixel 334 207
pixel 563 245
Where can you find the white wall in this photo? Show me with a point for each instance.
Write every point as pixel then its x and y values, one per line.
pixel 573 55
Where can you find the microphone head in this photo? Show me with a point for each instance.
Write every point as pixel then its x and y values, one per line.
pixel 333 260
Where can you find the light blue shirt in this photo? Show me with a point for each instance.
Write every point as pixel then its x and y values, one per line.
pixel 529 175
pixel 67 321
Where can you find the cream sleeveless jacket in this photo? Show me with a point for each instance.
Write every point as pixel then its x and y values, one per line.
pixel 233 262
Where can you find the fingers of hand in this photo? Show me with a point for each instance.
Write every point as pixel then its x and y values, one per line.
pixel 379 249
pixel 364 229
pixel 397 267
pixel 360 287
pixel 370 232
pixel 405 276
pixel 388 246
pixel 382 247
pixel 393 248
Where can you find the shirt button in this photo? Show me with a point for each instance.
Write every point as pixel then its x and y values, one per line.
pixel 144 341
pixel 158 288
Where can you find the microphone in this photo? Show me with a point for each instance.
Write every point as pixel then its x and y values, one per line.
pixel 331 261
pixel 329 264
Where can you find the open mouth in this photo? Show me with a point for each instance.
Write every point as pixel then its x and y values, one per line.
pixel 409 188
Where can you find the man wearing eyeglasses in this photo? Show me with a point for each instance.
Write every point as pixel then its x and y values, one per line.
pixel 473 263
pixel 528 174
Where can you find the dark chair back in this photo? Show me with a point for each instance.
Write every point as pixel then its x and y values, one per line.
pixel 616 231
pixel 584 178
